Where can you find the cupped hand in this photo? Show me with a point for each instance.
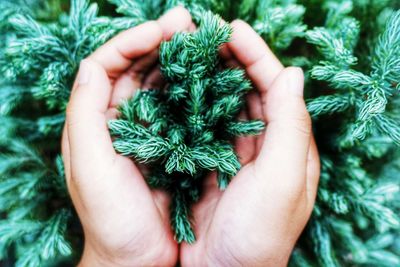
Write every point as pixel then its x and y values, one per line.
pixel 125 223
pixel 258 218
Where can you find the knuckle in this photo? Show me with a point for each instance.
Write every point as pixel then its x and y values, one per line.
pixel 239 23
pixel 185 13
pixel 156 26
pixel 294 115
pixel 301 122
pixel 303 125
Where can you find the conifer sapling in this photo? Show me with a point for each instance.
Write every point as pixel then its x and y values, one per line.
pixel 184 131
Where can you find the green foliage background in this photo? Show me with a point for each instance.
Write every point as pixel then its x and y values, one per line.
pixel 350 50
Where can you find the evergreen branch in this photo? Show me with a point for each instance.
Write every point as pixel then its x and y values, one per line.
pixel 141 11
pixel 329 104
pixel 386 60
pixel 331 48
pixel 180 218
pixel 51 125
pixel 230 81
pixel 322 244
pixel 146 106
pixel 15 230
pixel 49 243
pixel 10 97
pixel 180 160
pixel 279 22
pixel 389 126
pixel 239 128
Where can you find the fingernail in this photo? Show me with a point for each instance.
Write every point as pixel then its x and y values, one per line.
pixel 296 81
pixel 83 73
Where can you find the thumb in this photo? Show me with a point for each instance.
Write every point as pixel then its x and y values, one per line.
pixel 89 139
pixel 288 133
pixel 87 147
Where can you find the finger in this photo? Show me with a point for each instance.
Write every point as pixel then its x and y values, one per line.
pixel 86 121
pixel 116 55
pixel 176 20
pixel 253 53
pixel 288 133
pixel 112 114
pixel 131 80
pixel 254 107
pixel 145 63
pixel 125 87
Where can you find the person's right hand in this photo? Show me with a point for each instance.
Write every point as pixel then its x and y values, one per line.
pixel 258 218
pixel 125 223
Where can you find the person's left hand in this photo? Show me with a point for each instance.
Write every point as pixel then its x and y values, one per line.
pixel 125 223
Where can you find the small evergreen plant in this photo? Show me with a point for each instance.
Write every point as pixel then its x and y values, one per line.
pixel 183 131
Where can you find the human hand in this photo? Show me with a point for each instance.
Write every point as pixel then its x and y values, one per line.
pixel 125 223
pixel 258 218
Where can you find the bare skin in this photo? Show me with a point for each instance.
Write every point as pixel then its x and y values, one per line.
pixel 255 222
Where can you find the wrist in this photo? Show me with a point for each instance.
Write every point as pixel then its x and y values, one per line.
pixel 232 262
pixel 233 257
pixel 94 258
pixel 90 258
